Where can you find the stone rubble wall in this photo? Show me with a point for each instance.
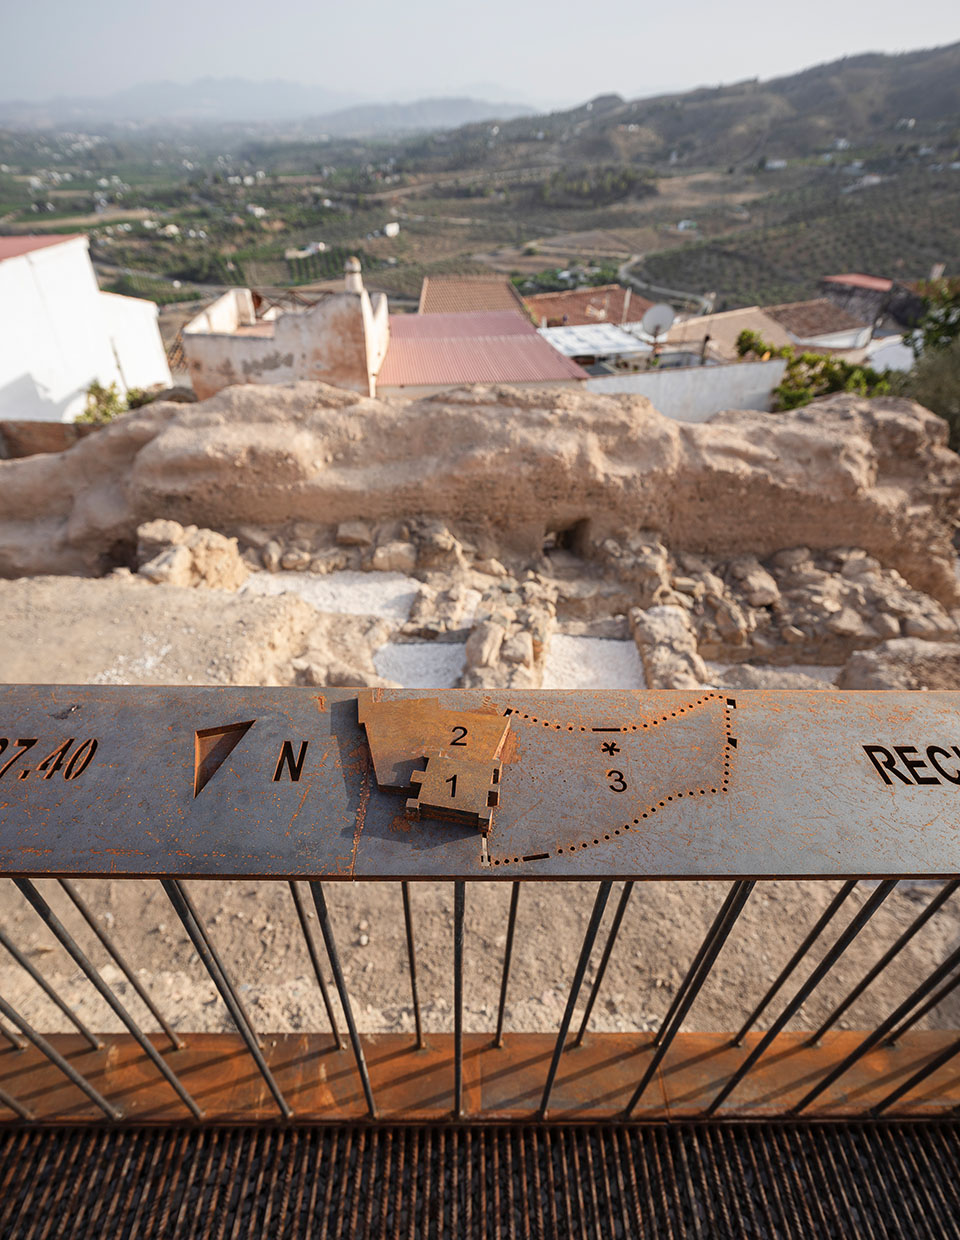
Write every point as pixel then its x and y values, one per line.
pixel 505 467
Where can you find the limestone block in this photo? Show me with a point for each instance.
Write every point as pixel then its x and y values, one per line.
pixel 395 557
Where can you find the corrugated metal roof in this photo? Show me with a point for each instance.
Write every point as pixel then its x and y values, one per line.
pixel 856 280
pixel 15 247
pixel 467 294
pixel 515 358
pixel 457 326
pixel 605 303
pixel 593 340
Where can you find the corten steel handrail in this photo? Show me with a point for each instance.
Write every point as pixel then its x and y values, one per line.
pixel 171 784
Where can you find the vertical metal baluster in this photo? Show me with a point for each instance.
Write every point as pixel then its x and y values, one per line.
pixel 935 1064
pixel 213 954
pixel 716 937
pixel 934 1001
pixel 301 908
pixel 894 950
pixel 53 923
pixel 320 902
pixel 604 959
pixel 459 903
pixel 13 1038
pixel 41 981
pixel 211 963
pixel 507 957
pixel 600 903
pixel 819 973
pixel 113 951
pixel 697 961
pixel 12 1105
pixel 882 1030
pixel 56 1058
pixel 822 922
pixel 412 958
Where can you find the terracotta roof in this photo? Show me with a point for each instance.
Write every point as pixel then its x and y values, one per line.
pixel 804 319
pixel 454 326
pixel 877 283
pixel 445 350
pixel 467 294
pixel 580 306
pixel 14 247
pixel 723 330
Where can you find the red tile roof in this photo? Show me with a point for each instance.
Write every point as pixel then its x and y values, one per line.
pixel 449 350
pixel 814 318
pixel 581 306
pixel 14 247
pixel 877 283
pixel 455 326
pixel 466 294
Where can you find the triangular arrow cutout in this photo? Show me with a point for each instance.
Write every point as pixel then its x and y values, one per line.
pixel 212 747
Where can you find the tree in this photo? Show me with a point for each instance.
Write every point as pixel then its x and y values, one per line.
pixel 940 324
pixel 935 383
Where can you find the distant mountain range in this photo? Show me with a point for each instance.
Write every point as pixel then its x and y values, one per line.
pixel 236 100
pixel 855 100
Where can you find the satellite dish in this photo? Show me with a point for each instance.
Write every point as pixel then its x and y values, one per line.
pixel 658 320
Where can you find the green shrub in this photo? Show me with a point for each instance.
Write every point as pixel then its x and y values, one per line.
pixel 103 404
pixel 809 375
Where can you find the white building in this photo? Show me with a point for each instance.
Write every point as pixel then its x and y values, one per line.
pixel 60 333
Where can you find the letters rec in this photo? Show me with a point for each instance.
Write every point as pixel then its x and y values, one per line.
pixel 904 763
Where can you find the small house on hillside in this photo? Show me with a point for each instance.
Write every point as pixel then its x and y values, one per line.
pixel 429 353
pixel 821 324
pixel 603 303
pixel 341 340
pixel 468 294
pixel 61 333
pixel 350 340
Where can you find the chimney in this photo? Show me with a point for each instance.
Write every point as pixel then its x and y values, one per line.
pixel 353 280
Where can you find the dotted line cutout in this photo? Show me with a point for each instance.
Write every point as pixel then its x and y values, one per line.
pixel 729 704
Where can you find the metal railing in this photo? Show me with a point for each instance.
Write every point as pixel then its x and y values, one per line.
pixel 182 797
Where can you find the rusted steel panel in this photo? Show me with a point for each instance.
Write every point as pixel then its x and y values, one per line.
pixel 281 783
pixel 593 1083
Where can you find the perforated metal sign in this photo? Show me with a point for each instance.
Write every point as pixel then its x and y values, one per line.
pixel 374 784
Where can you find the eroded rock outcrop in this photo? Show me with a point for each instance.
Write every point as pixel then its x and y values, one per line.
pixel 506 466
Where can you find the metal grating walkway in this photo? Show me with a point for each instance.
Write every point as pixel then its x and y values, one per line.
pixel 722 1180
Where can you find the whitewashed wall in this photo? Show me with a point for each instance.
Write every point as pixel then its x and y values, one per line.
pixel 131 324
pixel 55 336
pixel 695 393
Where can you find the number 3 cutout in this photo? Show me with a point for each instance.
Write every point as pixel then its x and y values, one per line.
pixel 619 784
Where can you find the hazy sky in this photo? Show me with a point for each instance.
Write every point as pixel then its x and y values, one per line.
pixel 542 51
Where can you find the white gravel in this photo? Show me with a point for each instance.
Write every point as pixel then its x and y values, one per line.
pixel 389 595
pixel 592 663
pixel 421 665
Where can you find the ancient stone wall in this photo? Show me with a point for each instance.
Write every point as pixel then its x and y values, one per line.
pixel 510 468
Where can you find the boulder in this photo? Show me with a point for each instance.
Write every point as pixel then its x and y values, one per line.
pixel 296 560
pixel 483 644
pixel 668 648
pixel 904 663
pixel 197 558
pixel 153 537
pixel 354 534
pixel 395 557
